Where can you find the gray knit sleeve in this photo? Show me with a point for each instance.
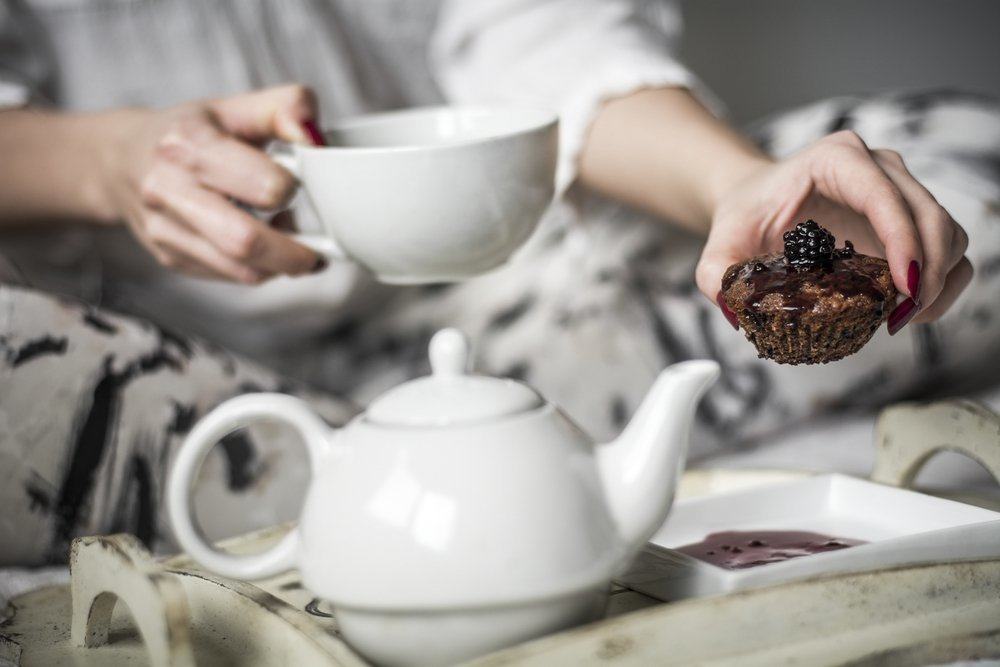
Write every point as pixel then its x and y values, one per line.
pixel 25 68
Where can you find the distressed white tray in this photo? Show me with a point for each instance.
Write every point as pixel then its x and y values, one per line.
pixel 175 615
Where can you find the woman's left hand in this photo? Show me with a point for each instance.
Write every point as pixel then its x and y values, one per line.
pixel 865 196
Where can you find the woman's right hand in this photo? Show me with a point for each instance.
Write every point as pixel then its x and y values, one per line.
pixel 177 177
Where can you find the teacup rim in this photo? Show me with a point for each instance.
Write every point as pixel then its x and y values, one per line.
pixel 548 119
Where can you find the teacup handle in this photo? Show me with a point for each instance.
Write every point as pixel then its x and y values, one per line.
pixel 233 414
pixel 284 155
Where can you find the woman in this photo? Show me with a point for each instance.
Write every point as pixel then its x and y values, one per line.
pixel 130 124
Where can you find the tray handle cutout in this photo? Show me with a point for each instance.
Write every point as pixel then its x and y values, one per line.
pixel 907 435
pixel 113 568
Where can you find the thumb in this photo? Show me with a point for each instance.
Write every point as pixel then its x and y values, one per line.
pixel 711 268
pixel 709 273
pixel 286 112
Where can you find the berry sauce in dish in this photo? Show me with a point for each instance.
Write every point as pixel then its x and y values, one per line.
pixel 739 550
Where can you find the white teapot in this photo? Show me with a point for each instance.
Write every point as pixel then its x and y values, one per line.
pixel 460 513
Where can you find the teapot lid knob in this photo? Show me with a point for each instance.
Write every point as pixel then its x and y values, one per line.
pixel 449 352
pixel 451 395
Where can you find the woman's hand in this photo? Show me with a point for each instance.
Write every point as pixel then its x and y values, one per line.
pixel 177 177
pixel 865 196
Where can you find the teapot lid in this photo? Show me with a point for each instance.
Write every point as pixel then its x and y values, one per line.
pixel 450 394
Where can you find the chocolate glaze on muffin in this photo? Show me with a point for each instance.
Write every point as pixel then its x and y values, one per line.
pixel 811 304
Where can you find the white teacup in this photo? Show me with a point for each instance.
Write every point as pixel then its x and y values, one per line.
pixel 429 195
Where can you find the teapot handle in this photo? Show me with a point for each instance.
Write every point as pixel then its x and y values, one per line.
pixel 231 415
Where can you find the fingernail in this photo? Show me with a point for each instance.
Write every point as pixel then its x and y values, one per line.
pixel 320 264
pixel 902 314
pixel 315 136
pixel 285 221
pixel 730 315
pixel 913 281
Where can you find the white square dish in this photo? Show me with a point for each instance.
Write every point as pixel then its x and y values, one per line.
pixel 900 527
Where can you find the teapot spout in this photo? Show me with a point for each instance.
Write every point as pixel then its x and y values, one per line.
pixel 640 470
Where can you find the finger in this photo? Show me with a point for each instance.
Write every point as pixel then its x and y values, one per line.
pixel 228 165
pixel 188 252
pixel 843 170
pixel 722 250
pixel 235 233
pixel 140 220
pixel 942 240
pixel 273 113
pixel 711 268
pixel 241 171
pixel 956 281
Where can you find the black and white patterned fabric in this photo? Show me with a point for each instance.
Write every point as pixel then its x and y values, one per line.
pixel 93 405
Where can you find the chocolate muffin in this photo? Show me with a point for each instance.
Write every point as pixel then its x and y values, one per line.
pixel 813 303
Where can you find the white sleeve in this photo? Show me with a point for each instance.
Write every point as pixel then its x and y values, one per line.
pixel 565 55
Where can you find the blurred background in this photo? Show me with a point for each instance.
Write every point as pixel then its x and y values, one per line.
pixel 765 55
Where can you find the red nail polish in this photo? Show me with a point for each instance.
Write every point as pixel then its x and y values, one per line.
pixel 902 314
pixel 315 136
pixel 730 315
pixel 913 281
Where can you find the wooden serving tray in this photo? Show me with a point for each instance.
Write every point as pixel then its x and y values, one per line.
pixel 175 614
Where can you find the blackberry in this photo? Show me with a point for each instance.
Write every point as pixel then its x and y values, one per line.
pixel 808 245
